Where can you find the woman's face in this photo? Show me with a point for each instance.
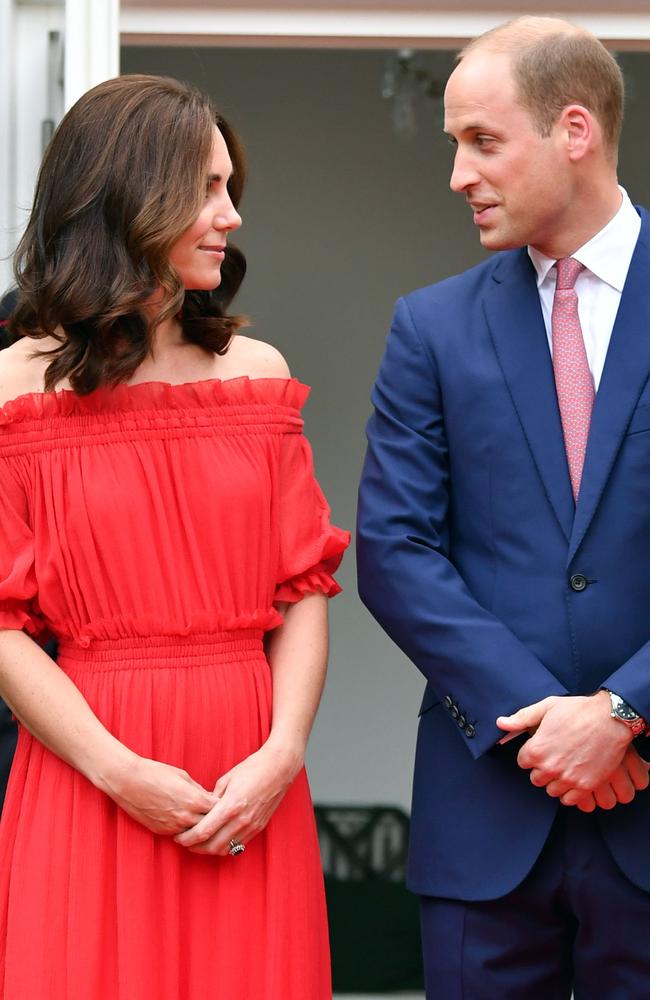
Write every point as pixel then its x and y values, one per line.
pixel 198 254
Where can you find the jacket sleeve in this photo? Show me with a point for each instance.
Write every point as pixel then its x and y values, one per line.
pixel 631 680
pixel 474 664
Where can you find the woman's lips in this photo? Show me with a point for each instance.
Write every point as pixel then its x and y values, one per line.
pixel 217 252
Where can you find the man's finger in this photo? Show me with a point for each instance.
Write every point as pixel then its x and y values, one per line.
pixel 637 769
pixel 528 717
pixel 539 778
pixel 556 788
pixel 605 796
pixel 622 784
pixel 581 800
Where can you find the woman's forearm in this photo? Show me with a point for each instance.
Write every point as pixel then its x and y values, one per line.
pixel 163 798
pixel 297 653
pixel 49 705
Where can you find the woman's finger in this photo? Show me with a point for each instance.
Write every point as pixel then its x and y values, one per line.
pixel 220 815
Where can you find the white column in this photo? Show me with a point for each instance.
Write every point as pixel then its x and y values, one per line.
pixel 92 45
pixel 30 97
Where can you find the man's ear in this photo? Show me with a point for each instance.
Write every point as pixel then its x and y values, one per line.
pixel 580 129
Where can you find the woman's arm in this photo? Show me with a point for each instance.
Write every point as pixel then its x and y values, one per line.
pixel 251 791
pixel 164 799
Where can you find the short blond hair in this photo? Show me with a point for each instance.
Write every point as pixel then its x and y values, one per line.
pixel 554 64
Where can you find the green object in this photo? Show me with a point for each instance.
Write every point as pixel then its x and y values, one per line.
pixel 373 918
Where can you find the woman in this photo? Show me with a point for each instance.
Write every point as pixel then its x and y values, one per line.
pixel 158 514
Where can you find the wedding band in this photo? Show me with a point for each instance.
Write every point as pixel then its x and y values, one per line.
pixel 235 848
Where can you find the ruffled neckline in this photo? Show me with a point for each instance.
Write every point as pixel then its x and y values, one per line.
pixel 240 391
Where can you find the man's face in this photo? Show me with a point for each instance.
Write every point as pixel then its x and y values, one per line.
pixel 516 182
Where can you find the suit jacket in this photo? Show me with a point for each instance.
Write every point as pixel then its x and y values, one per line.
pixel 475 560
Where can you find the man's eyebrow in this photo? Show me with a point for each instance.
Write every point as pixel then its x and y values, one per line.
pixel 473 127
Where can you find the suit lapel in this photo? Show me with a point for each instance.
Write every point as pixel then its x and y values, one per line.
pixel 626 371
pixel 517 329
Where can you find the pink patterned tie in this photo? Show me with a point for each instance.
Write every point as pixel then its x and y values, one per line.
pixel 573 379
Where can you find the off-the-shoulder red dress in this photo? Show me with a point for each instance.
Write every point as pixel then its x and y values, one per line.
pixel 153 529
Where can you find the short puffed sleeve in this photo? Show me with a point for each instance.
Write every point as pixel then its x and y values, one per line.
pixel 311 548
pixel 18 586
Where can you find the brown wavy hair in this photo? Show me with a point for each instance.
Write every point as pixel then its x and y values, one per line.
pixel 122 179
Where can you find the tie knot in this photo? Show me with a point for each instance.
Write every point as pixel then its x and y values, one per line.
pixel 568 270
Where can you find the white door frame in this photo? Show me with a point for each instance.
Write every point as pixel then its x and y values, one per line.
pixel 363 23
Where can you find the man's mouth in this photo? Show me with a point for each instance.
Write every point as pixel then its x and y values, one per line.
pixel 482 211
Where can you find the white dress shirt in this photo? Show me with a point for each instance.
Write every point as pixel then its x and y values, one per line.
pixel 606 258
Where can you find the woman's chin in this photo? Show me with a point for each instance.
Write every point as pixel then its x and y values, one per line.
pixel 203 285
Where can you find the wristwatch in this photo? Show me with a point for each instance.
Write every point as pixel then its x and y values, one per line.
pixel 624 713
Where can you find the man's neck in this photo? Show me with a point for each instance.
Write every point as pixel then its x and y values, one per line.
pixel 596 209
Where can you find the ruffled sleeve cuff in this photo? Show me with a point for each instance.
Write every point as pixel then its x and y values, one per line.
pixel 319 575
pixel 18 615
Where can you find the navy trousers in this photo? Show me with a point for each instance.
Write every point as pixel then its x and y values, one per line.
pixel 575 923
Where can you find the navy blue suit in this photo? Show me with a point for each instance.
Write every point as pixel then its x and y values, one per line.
pixel 475 560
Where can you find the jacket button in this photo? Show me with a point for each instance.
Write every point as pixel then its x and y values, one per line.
pixel 470 731
pixel 578 582
pixel 454 712
pixel 448 701
pixel 462 721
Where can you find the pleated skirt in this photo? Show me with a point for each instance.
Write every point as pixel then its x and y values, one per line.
pixel 95 907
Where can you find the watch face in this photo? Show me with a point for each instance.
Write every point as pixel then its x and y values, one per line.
pixel 627 715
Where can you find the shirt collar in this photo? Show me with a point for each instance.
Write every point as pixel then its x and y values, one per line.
pixel 607 254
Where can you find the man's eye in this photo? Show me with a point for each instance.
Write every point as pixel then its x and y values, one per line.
pixel 483 140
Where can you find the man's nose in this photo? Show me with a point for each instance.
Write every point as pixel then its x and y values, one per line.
pixel 464 174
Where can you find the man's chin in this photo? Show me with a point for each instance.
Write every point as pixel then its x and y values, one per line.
pixel 493 240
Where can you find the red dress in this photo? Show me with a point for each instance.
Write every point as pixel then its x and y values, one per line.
pixel 153 528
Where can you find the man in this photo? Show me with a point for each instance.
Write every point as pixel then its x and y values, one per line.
pixel 504 538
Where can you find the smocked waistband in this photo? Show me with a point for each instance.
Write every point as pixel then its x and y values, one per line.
pixel 162 650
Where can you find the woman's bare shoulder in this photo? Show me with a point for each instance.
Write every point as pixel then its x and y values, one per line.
pixel 255 358
pixel 21 371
